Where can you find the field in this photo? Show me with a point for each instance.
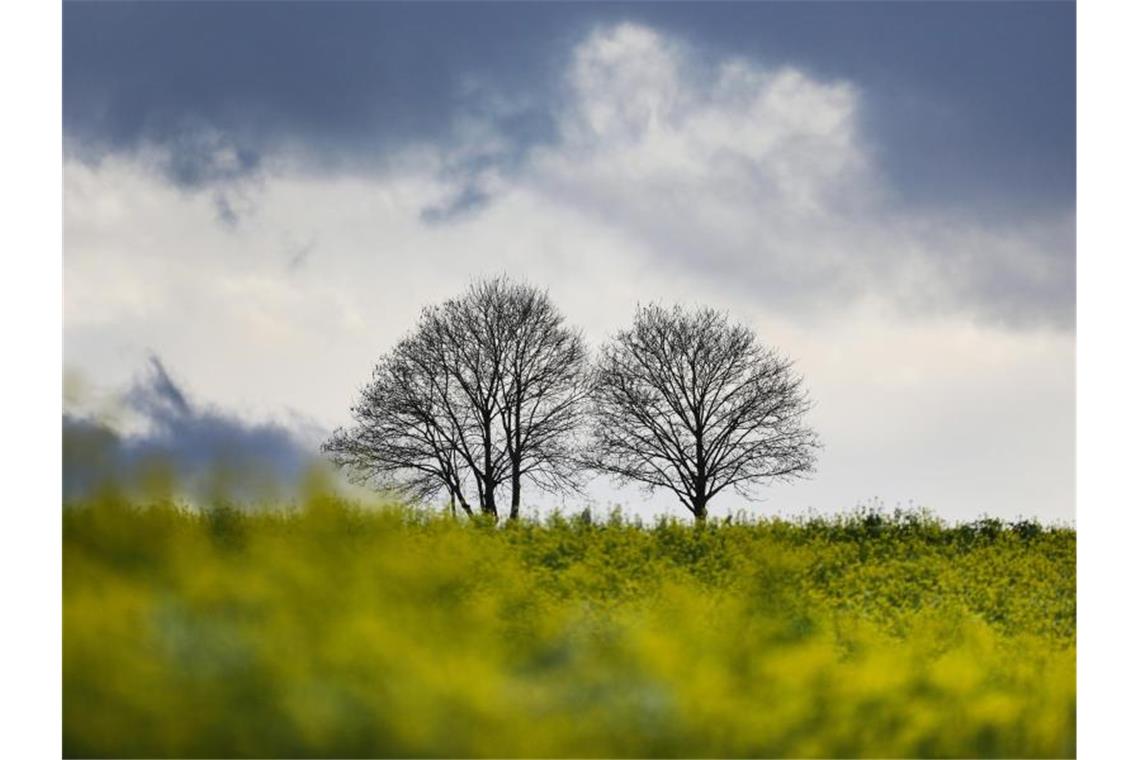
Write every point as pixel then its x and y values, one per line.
pixel 339 630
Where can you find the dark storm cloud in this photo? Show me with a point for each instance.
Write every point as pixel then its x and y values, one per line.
pixel 200 446
pixel 343 83
pixel 970 103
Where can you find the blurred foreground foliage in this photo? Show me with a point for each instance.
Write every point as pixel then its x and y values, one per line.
pixel 336 630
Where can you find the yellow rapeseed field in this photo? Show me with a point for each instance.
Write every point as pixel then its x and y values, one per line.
pixel 334 629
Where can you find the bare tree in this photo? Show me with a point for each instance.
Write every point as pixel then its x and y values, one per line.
pixel 405 436
pixel 488 389
pixel 524 375
pixel 688 402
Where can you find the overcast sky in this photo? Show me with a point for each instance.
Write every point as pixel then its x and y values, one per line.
pixel 262 197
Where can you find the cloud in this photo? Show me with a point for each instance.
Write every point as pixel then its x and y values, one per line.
pixel 971 103
pixel 155 427
pixel 762 178
pixel 758 177
pixel 210 95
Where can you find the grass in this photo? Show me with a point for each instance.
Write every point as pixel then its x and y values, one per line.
pixel 336 630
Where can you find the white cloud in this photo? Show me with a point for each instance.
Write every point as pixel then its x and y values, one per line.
pixel 640 114
pixel 761 178
pixel 672 179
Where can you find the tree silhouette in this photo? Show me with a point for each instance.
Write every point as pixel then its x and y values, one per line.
pixel 488 389
pixel 687 401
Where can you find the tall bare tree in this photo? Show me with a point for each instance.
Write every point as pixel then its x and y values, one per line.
pixel 688 402
pixel 490 388
pixel 524 374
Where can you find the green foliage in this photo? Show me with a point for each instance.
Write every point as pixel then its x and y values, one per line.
pixel 341 631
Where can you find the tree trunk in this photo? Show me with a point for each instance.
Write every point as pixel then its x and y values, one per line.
pixel 488 484
pixel 516 490
pixel 516 455
pixel 700 508
pixel 489 507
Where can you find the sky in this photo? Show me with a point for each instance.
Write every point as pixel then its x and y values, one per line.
pixel 260 197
